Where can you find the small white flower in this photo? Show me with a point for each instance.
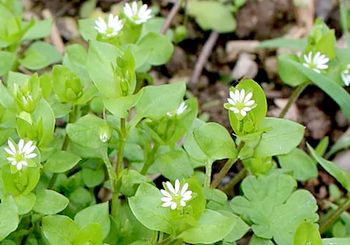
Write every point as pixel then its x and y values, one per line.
pixel 137 15
pixel 345 75
pixel 111 28
pixel 181 109
pixel 316 62
pixel 240 102
pixel 20 154
pixel 175 196
pixel 26 99
pixel 104 137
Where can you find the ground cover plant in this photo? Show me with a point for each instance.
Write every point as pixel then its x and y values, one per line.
pixel 95 151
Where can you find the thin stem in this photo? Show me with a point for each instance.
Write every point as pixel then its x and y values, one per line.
pixel 121 146
pixel 217 180
pixel 235 180
pixel 111 174
pixel 294 96
pixel 226 168
pixel 335 215
pixel 208 168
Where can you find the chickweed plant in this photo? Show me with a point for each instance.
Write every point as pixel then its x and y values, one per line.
pixel 85 137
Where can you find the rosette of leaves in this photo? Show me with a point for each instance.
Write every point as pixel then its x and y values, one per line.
pixel 273 207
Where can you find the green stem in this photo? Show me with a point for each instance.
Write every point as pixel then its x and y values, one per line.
pixel 121 146
pixel 235 180
pixel 335 215
pixel 208 168
pixel 294 96
pixel 217 180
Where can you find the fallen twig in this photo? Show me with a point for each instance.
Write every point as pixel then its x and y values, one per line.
pixel 55 34
pixel 203 57
pixel 171 16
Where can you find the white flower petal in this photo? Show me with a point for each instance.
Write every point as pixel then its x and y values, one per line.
pixel 30 156
pixel 9 151
pixel 20 145
pixel 19 166
pixel 167 204
pixel 177 186
pixel 166 199
pixel 182 203
pixel 170 187
pixel 249 103
pixel 165 193
pixel 184 188
pixel 248 97
pixel 173 206
pixel 12 146
pixel 243 113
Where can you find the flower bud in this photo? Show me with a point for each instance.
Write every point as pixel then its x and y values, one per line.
pixel 105 133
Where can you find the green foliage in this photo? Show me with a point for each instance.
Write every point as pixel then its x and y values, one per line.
pixel 207 17
pixel 273 200
pixel 297 161
pixel 307 233
pixel 86 142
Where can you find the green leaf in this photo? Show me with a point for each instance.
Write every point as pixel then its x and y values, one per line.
pixel 260 241
pixel 335 241
pixel 87 8
pixel 212 15
pixel 333 89
pixel 212 227
pixel 342 143
pixel 75 58
pixel 87 29
pixel 156 101
pixel 215 141
pixel 7 60
pixel 20 183
pixel 290 75
pixel 25 203
pixel 120 106
pixel 98 214
pixel 297 44
pixel 50 202
pixel 8 216
pixel 100 62
pixel 146 206
pixel 59 229
pixel 90 234
pixel 86 131
pixel 40 55
pixel 337 172
pixel 61 161
pixel 93 177
pixel 130 180
pixel 301 165
pixel 174 164
pixel 158 48
pixel 281 137
pixel 239 229
pixel 273 200
pixel 40 29
pixel 307 234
